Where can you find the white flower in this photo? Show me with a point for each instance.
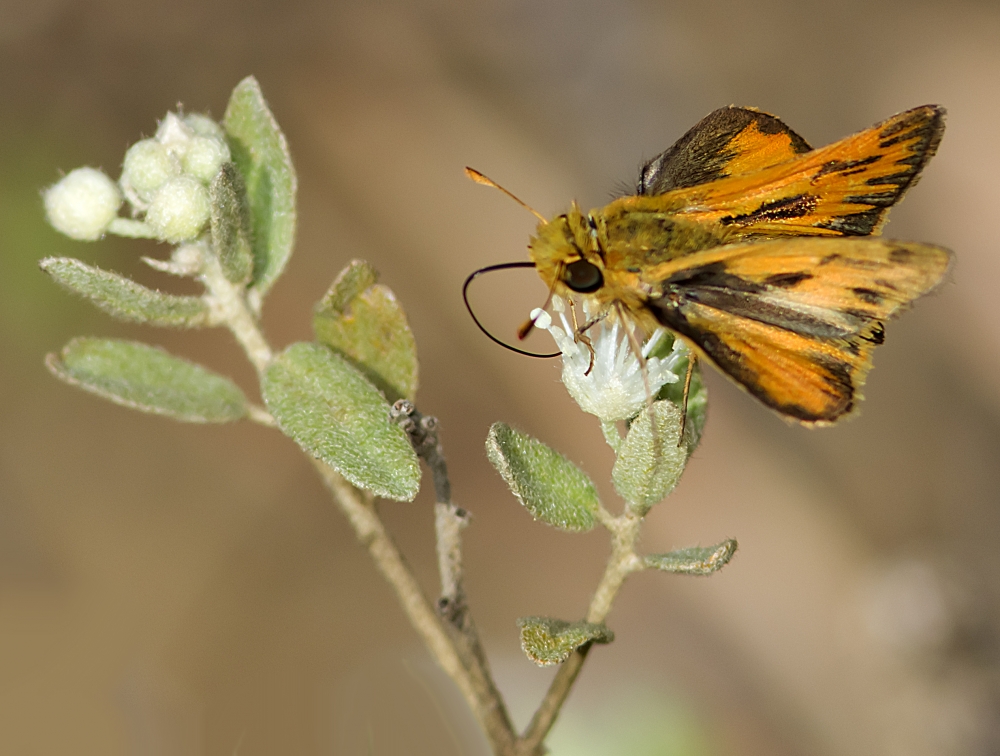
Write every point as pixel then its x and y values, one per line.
pixel 83 203
pixel 614 388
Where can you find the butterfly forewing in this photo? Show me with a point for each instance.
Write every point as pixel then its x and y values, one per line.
pixel 844 189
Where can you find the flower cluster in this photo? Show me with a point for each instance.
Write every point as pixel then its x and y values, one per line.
pixel 164 179
pixel 608 382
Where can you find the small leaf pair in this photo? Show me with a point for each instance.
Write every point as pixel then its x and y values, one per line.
pixel 558 492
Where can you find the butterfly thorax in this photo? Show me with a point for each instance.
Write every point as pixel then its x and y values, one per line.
pixel 624 241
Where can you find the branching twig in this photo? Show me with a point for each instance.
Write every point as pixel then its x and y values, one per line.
pixel 473 680
pixel 454 642
pixel 449 521
pixel 461 660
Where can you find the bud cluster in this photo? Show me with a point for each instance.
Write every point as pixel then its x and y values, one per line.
pixel 164 180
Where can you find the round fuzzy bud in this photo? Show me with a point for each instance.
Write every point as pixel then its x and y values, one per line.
pixel 202 125
pixel 204 157
pixel 174 134
pixel 180 209
pixel 147 167
pixel 83 203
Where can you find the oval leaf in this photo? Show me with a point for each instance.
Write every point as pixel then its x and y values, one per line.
pixel 696 560
pixel 230 220
pixel 649 465
pixel 551 487
pixel 363 322
pixel 261 153
pixel 148 379
pixel 123 298
pixel 336 415
pixel 548 641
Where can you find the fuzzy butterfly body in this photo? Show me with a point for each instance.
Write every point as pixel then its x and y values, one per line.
pixel 759 252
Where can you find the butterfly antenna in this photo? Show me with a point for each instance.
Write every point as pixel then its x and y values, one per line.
pixel 479 178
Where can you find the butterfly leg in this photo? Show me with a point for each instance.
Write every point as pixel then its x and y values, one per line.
pixel 579 335
pixel 692 358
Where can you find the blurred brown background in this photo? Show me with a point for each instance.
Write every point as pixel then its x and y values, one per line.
pixel 169 589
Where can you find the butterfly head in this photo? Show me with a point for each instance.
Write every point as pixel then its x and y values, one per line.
pixel 567 256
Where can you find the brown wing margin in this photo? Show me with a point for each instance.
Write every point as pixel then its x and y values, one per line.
pixel 727 142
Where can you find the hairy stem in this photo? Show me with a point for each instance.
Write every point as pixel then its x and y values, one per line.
pixel 449 521
pixel 228 305
pixel 622 562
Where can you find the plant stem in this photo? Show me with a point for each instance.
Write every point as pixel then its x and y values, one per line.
pixel 228 305
pixel 621 563
pixel 449 522
pixel 473 680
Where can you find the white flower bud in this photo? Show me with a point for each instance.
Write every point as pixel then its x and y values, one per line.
pixel 204 157
pixel 204 126
pixel 83 203
pixel 180 209
pixel 174 134
pixel 147 167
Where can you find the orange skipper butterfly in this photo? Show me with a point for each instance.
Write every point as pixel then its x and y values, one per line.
pixel 759 251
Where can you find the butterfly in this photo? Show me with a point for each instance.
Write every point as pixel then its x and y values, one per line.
pixel 759 251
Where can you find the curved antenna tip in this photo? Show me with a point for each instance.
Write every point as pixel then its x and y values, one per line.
pixel 480 178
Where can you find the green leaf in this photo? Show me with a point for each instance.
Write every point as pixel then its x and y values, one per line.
pixel 697 403
pixel 549 641
pixel 231 232
pixel 148 379
pixel 650 464
pixel 123 298
pixel 363 322
pixel 696 560
pixel 329 409
pixel 552 488
pixel 261 153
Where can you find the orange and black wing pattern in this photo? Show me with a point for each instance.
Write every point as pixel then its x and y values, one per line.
pixel 794 321
pixel 727 142
pixel 843 189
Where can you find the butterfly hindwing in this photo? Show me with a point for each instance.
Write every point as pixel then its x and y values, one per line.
pixel 843 189
pixel 727 142
pixel 795 320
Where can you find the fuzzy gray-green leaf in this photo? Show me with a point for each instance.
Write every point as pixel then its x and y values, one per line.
pixel 231 227
pixel 123 298
pixel 261 153
pixel 552 488
pixel 148 379
pixel 696 560
pixel 650 464
pixel 336 415
pixel 548 641
pixel 363 322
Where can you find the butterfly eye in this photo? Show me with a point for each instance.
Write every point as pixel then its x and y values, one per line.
pixel 583 277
